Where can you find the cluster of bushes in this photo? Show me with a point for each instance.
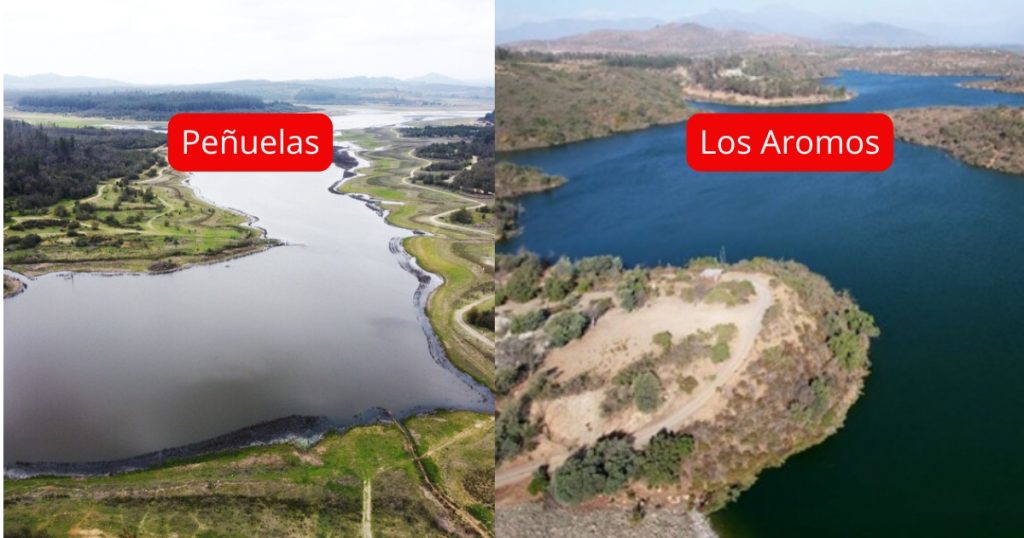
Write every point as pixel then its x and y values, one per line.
pixel 513 431
pixel 475 141
pixel 756 76
pixel 731 292
pixel 483 318
pixel 632 289
pixel 14 242
pixel 565 327
pixel 612 463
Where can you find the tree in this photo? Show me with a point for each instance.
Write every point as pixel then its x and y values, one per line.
pixel 647 391
pixel 659 464
pixel 565 327
pixel 522 285
pixel 600 469
pixel 560 280
pixel 530 321
pixel 462 216
pixel 632 290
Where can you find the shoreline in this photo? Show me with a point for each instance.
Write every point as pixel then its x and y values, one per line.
pixel 295 429
pixel 30 272
pixel 428 282
pixel 300 429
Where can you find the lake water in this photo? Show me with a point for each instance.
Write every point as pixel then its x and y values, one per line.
pixel 932 247
pixel 106 367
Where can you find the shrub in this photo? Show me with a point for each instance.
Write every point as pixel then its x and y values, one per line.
pixel 647 391
pixel 462 216
pixel 688 384
pixel 720 352
pixel 507 377
pixel 632 290
pixel 522 285
pixel 659 464
pixel 31 241
pixel 560 280
pixel 663 340
pixel 565 327
pixel 600 469
pixel 530 321
pixel 539 483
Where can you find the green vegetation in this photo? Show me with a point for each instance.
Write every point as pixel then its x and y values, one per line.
pixel 987 137
pixel 662 340
pixel 530 321
pixel 147 106
pixel 151 224
pixel 792 396
pixel 632 289
pixel 600 469
pixel 521 284
pixel 43 165
pixel 762 76
pixel 547 103
pixel 513 180
pixel 565 327
pixel 647 391
pixel 460 449
pixel 731 292
pixel 279 490
pixel 659 463
pixel 465 165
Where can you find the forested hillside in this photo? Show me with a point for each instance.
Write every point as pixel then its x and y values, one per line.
pixel 147 106
pixel 45 164
pixel 466 164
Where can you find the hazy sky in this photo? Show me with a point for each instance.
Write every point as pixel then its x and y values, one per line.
pixel 186 41
pixel 967 14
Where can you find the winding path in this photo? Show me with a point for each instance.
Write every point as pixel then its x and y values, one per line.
pixel 460 316
pixel 508 475
pixel 365 530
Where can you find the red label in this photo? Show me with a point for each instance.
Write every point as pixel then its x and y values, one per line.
pixel 789 142
pixel 250 142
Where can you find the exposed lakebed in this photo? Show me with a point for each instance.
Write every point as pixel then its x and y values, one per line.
pixel 931 247
pixel 109 367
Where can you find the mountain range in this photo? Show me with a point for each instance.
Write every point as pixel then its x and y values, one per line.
pixel 52 81
pixel 783 19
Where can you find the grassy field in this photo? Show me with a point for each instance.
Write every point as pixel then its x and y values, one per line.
pixel 152 224
pixel 67 120
pixel 462 255
pixel 279 490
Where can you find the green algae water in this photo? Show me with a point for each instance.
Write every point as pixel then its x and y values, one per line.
pixel 933 248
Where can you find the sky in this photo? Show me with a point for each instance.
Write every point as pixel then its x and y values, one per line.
pixel 974 18
pixel 192 41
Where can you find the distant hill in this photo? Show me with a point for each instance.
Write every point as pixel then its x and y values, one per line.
pixel 876 34
pixel 557 28
pixel 54 81
pixel 427 90
pixel 782 19
pixel 674 38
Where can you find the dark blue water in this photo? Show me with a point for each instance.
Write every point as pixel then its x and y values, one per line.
pixel 932 247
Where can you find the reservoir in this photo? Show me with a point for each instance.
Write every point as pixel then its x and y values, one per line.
pixel 933 248
pixel 108 367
